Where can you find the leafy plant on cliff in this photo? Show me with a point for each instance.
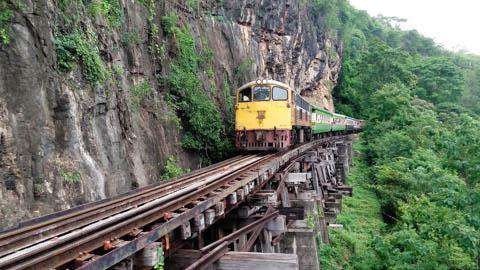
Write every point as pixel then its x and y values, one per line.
pixel 132 38
pixel 110 9
pixel 172 169
pixel 80 47
pixel 229 101
pixel 6 15
pixel 244 67
pixel 192 4
pixel 201 119
pixel 71 177
pixel 138 93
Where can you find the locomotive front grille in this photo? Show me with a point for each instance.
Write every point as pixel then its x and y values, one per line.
pixel 267 140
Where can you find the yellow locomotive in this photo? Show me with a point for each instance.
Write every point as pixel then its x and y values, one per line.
pixel 270 115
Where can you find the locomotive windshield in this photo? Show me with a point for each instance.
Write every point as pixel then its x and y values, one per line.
pixel 245 95
pixel 261 93
pixel 279 93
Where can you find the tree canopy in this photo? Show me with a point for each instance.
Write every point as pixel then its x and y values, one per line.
pixel 419 150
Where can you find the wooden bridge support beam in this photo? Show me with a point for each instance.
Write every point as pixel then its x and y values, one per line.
pixel 254 260
pixel 301 240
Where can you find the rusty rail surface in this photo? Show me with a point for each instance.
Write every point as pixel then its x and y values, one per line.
pixel 57 239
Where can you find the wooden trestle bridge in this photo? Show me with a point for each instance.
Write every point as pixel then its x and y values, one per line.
pixel 262 211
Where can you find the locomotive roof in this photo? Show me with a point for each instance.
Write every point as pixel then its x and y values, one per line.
pixel 261 81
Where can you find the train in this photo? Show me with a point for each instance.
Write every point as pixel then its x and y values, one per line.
pixel 271 115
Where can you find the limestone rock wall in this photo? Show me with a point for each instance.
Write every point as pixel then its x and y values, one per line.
pixel 64 141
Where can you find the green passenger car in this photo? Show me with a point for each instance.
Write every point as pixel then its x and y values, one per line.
pixel 339 122
pixel 322 122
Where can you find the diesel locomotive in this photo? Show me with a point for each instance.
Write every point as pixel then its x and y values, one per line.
pixel 270 115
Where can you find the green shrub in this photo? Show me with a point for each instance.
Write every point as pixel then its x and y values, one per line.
pixel 192 4
pixel 71 177
pixel 138 93
pixel 6 15
pixel 229 102
pixel 421 147
pixel 132 38
pixel 110 9
pixel 78 47
pixel 172 170
pixel 244 67
pixel 170 23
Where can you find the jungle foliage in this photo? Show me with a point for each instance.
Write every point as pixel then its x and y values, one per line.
pixel 418 169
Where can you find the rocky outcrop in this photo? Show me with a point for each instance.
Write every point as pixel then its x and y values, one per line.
pixel 65 141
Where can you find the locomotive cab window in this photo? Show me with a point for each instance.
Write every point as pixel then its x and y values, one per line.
pixel 245 95
pixel 279 93
pixel 261 93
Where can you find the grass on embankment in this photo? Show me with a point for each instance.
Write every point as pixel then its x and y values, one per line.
pixel 362 221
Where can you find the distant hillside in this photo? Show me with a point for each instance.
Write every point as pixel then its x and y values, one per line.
pixel 418 173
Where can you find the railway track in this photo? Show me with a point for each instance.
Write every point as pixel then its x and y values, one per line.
pixel 154 211
pixel 18 244
pixel 44 228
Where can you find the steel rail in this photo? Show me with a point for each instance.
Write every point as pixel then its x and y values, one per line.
pixel 19 239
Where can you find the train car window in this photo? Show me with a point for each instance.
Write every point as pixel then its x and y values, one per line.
pixel 261 93
pixel 298 101
pixel 279 93
pixel 245 95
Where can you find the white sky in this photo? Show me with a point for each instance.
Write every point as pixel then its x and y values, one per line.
pixel 455 24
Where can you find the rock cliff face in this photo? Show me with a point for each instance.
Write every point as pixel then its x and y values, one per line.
pixel 67 138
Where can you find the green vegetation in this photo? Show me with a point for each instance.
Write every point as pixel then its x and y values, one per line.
pixel 192 4
pixel 138 93
pixel 201 119
pixel 78 46
pixel 244 67
pixel 110 9
pixel 77 43
pixel 362 221
pixel 172 169
pixel 229 102
pixel 419 165
pixel 160 265
pixel 132 38
pixel 471 96
pixel 6 16
pixel 7 8
pixel 71 177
